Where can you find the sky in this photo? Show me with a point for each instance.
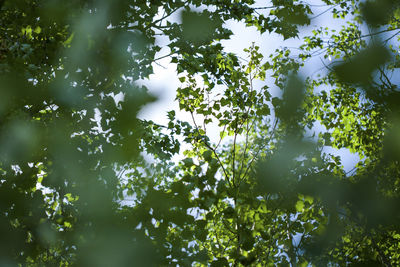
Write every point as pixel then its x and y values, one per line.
pixel 164 81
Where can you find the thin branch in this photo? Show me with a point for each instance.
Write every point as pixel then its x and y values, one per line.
pixel 258 152
pixel 248 128
pixel 166 16
pixel 234 152
pixel 223 221
pixel 220 139
pixel 353 169
pixel 122 171
pixel 158 64
pixel 387 40
pixel 264 7
pixel 214 151
pixel 376 33
pixel 388 83
pixel 161 27
pixel 330 69
pixel 220 163
pixel 323 12
pixel 317 5
pixel 159 58
pixel 241 168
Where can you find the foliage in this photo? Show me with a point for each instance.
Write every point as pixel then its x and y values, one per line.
pixel 85 182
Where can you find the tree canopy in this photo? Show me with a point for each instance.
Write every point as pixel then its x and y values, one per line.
pixel 86 182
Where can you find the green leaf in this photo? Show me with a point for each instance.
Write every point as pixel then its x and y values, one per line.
pixel 299 206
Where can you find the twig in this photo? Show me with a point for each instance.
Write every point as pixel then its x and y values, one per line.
pixel 320 14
